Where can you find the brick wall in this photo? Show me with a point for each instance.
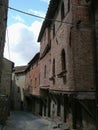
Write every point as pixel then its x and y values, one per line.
pixel 61 41
pixel 33 78
pixel 44 79
pixel 78 46
pixel 83 48
pixel 35 74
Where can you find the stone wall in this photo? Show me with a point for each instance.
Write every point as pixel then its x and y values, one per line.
pixel 6 78
pixel 3 22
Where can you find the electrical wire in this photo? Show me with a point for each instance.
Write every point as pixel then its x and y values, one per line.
pixel 29 14
pixel 68 23
pixel 38 16
pixel 45 18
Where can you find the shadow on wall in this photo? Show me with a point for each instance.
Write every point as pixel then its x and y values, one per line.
pixel 16 103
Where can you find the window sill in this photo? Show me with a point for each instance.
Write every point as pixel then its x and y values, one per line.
pixel 62 74
pixel 52 77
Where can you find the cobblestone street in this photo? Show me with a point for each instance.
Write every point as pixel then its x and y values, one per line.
pixel 26 121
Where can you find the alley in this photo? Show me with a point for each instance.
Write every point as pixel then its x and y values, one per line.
pixel 26 121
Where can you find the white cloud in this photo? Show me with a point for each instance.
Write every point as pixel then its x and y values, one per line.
pixel 47 1
pixel 18 18
pixel 22 42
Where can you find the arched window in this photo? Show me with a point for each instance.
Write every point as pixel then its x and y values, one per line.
pixel 63 60
pixel 62 11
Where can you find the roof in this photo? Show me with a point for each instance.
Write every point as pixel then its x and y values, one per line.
pixel 8 60
pixel 49 15
pixel 34 59
pixel 19 69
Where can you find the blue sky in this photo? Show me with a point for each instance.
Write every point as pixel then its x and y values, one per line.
pixel 38 7
pixel 22 30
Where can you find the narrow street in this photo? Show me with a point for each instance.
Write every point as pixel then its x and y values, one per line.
pixel 26 121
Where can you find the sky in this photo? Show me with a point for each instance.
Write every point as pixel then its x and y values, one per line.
pixel 22 30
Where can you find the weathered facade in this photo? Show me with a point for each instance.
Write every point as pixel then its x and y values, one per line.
pixel 68 37
pixel 32 91
pixel 61 81
pixel 45 63
pixel 3 22
pixel 6 77
pixel 18 87
pixel 5 89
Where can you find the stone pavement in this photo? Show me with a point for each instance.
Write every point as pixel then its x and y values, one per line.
pixel 26 121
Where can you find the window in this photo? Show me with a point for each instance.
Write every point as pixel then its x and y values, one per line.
pixel 62 74
pixel 45 71
pixel 39 78
pixel 53 30
pixel 63 60
pixel 17 76
pixel 53 71
pixel 53 68
pixel 58 107
pixel 62 11
pixel 68 5
pixel 35 82
pixel 18 89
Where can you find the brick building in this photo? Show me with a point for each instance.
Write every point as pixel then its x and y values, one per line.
pixel 32 91
pixel 45 63
pixel 3 22
pixel 67 46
